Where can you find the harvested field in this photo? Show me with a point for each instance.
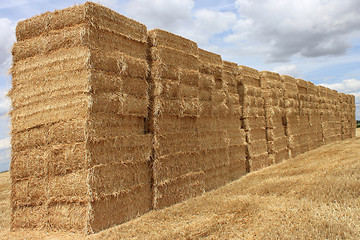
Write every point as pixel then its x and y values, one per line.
pixel 312 196
pixel 110 121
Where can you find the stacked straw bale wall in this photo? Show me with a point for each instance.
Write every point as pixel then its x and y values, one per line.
pixel 110 121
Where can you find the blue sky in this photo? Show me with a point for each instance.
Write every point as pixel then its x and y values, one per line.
pixel 317 40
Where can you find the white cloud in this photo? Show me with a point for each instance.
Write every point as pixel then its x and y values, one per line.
pixel 4 103
pixel 7 38
pixel 347 86
pixel 5 143
pixel 290 70
pixel 308 28
pixel 168 15
pixel 207 23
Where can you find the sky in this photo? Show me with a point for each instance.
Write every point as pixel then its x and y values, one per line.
pixel 316 40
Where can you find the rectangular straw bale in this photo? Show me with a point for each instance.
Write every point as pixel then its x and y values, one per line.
pixel 216 177
pixel 40 45
pixel 160 37
pixel 236 136
pixel 103 125
pixel 237 153
pixel 236 170
pixel 176 165
pixel 118 209
pixel 281 155
pixel 257 162
pixel 256 134
pixel 137 87
pixel 257 147
pixel 172 143
pixel 120 63
pixel 178 190
pixel 72 187
pixel 121 149
pixel 67 108
pixel 214 157
pixel 209 57
pixel 100 16
pixel 29 192
pixel 48 160
pixel 61 132
pixel 39 66
pixel 173 124
pixel 68 217
pixel 213 139
pixel 172 58
pixel 250 72
pixel 111 179
pixel 61 85
pixel 28 217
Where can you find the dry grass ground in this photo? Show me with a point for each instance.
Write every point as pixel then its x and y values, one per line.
pixel 313 196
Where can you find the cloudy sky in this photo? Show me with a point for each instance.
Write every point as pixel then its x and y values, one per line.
pixel 317 40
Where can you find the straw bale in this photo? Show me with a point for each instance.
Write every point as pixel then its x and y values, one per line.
pixel 160 38
pixel 119 63
pixel 105 40
pixel 205 96
pixel 280 142
pixel 112 179
pixel 133 106
pixel 206 82
pixel 68 217
pixel 48 160
pixel 220 110
pixel 270 75
pixel 257 147
pixel 87 12
pixel 236 170
pixel 210 69
pixel 28 217
pixel 65 84
pixel 188 77
pixel 302 86
pixel 28 192
pixel 250 81
pixel 137 87
pixel 176 165
pixel 254 134
pixel 109 102
pixel 178 190
pixel 214 157
pixel 115 210
pixel 61 132
pixel 173 58
pixel 40 66
pixel 218 97
pixel 50 41
pixel 216 177
pixel 260 161
pixel 107 126
pixel 236 136
pixel 213 139
pixel 237 153
pixel 209 57
pixel 62 108
pixel 172 143
pixel 254 122
pixel 281 155
pixel 250 72
pixel 121 149
pixel 188 91
pixel 72 187
pixel 174 124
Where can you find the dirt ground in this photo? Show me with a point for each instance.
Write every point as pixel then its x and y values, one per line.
pixel 313 196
